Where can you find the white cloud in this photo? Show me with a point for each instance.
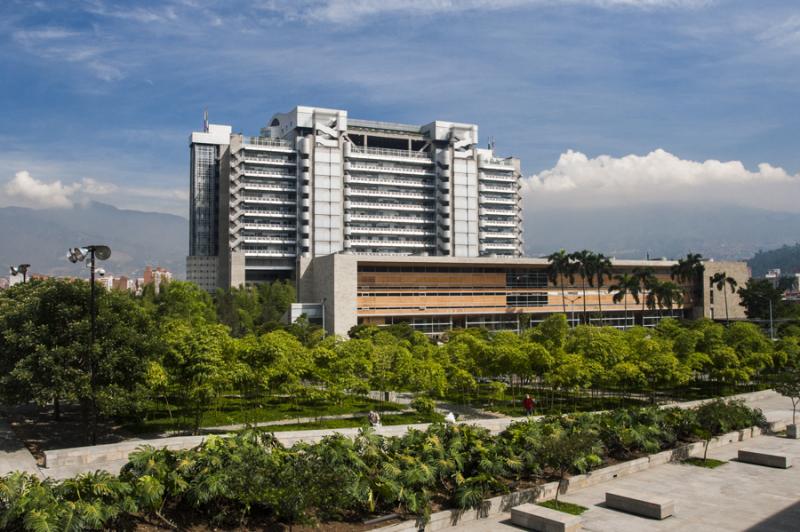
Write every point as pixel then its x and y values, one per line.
pixel 31 192
pixel 24 190
pixel 659 168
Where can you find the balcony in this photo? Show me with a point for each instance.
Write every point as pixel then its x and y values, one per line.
pixel 494 188
pixel 496 164
pixel 506 178
pixel 488 246
pixel 369 217
pixel 496 223
pixel 268 200
pixel 358 179
pixel 498 200
pixel 264 213
pixel 267 239
pixel 268 227
pixel 269 161
pixel 278 187
pixel 351 229
pixel 392 243
pixel 268 172
pixel 497 212
pixel 386 194
pixel 511 235
pixel 373 168
pixel 269 254
pixel 388 154
pixel 386 206
pixel 267 144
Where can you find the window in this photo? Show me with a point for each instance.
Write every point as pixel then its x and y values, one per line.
pixel 536 299
pixel 526 279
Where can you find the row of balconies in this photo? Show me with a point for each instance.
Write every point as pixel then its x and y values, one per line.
pixel 358 179
pixel 348 204
pixel 270 161
pixel 496 188
pixel 483 211
pixel 373 168
pixel 496 223
pixel 268 172
pixel 269 254
pixel 506 178
pixel 387 154
pixel 267 239
pixel 281 187
pixel 354 229
pixel 372 217
pixel 498 200
pixel 266 144
pixel 390 243
pixel 387 194
pixel 269 200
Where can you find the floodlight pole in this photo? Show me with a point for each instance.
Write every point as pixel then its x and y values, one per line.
pixel 93 320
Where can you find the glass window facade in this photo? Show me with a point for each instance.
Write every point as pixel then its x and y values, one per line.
pixel 204 203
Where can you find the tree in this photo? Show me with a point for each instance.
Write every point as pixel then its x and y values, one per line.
pixel 184 300
pixel 788 385
pixel 646 279
pixel 560 268
pixel 756 296
pixel 718 281
pixel 584 265
pixel 198 359
pixel 689 270
pixel 626 284
pixel 44 347
pixel 563 451
pixel 602 270
pixel 668 294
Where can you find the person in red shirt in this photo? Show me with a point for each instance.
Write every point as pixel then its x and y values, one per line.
pixel 528 403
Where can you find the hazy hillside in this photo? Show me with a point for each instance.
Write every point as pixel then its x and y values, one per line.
pixel 41 237
pixel 662 230
pixel 787 258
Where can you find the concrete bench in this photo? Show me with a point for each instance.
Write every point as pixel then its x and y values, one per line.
pixel 631 502
pixel 535 517
pixel 752 456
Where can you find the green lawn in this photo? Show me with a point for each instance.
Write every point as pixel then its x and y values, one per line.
pixel 235 410
pixel 566 507
pixel 709 463
pixel 389 419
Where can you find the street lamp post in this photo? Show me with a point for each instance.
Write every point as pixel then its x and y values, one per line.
pixel 76 255
pixel 572 301
pixel 21 269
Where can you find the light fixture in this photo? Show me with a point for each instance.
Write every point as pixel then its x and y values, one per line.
pixel 21 269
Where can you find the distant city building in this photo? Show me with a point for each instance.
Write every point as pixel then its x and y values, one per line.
pixel 774 276
pixel 4 283
pixel 316 182
pixel 156 277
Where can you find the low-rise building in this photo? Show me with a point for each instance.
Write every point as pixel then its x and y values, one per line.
pixel 436 294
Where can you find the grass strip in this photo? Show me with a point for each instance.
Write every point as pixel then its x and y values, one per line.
pixel 566 507
pixel 709 463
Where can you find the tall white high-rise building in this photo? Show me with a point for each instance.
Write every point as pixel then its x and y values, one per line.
pixel 315 183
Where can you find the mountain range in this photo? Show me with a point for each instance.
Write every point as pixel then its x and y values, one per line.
pixel 41 236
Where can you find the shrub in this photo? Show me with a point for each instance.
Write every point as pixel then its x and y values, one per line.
pixel 424 405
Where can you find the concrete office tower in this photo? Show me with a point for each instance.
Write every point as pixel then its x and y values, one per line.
pixel 316 183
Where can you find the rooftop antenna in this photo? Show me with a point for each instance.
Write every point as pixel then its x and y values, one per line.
pixel 205 120
pixel 491 143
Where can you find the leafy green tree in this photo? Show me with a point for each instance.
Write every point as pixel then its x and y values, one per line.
pixel 647 280
pixel 184 300
pixel 718 281
pixel 756 296
pixel 45 354
pixel 198 358
pixel 564 451
pixel 788 385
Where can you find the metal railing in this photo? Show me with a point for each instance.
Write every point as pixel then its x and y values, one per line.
pixel 390 152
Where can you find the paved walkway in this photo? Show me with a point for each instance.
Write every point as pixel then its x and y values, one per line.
pixel 63 463
pixel 14 456
pixel 735 496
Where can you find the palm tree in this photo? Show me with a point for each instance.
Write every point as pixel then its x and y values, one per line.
pixel 584 264
pixel 626 284
pixel 668 294
pixel 647 280
pixel 718 281
pixel 689 270
pixel 561 267
pixel 602 270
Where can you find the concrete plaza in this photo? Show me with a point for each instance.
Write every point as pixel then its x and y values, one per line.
pixel 733 497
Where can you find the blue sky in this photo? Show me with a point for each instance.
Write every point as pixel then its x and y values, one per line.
pixel 97 98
